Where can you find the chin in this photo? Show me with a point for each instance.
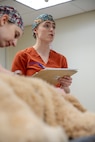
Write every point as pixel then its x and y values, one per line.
pixel 50 40
pixel 2 46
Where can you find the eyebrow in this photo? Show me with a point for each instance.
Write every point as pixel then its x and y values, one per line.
pixel 50 22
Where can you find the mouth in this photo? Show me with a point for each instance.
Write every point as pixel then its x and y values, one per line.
pixel 7 44
pixel 51 35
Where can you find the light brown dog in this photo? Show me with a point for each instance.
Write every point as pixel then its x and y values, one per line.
pixel 28 104
pixel 18 123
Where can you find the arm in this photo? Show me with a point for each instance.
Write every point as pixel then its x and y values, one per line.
pixel 65 82
pixel 19 63
pixel 66 89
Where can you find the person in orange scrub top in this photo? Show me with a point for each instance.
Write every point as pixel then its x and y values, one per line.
pixel 40 55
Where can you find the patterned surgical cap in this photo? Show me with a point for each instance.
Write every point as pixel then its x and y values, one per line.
pixel 14 16
pixel 40 19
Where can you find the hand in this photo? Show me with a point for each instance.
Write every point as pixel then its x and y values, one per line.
pixel 3 70
pixel 65 81
pixel 18 72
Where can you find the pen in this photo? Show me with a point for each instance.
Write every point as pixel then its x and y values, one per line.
pixel 41 65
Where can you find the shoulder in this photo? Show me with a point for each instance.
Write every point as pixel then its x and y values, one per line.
pixel 24 51
pixel 57 54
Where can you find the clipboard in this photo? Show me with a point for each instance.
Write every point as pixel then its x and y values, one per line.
pixel 51 75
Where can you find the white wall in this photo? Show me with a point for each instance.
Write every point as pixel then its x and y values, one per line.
pixel 75 38
pixel 3 57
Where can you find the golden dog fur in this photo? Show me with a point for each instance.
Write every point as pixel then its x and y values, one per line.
pixel 31 110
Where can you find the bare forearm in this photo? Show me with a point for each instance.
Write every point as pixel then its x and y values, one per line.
pixel 66 89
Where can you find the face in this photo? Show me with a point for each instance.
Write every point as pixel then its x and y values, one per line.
pixel 45 31
pixel 9 33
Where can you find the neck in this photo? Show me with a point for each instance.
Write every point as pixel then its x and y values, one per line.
pixel 42 47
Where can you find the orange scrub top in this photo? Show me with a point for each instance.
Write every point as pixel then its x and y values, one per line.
pixel 30 62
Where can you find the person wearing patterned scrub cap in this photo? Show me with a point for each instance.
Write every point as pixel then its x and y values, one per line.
pixel 11 28
pixel 41 55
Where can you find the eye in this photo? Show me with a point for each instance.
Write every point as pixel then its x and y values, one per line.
pixel 54 27
pixel 47 25
pixel 17 34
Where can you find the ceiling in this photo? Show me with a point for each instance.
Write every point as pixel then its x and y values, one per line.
pixel 59 11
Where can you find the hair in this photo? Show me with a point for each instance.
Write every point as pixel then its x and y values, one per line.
pixel 14 16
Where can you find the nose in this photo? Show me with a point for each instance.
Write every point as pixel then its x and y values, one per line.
pixel 13 42
pixel 51 28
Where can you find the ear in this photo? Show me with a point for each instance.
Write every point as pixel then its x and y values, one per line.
pixel 35 30
pixel 4 19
